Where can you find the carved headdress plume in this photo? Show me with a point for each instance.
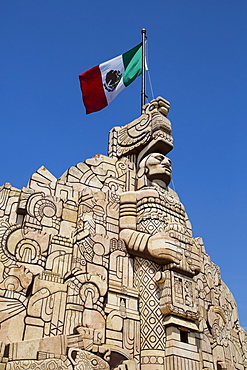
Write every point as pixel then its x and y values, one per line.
pixel 149 133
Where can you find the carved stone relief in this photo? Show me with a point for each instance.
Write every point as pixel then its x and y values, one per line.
pixel 99 268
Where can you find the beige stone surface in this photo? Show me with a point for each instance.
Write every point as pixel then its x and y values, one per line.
pixel 99 269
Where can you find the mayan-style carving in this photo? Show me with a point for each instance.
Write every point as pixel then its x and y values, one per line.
pixel 99 268
pixel 149 132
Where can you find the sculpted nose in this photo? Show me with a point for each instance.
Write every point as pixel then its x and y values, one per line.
pixel 166 161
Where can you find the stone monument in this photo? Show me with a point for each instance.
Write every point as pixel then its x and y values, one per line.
pixel 99 269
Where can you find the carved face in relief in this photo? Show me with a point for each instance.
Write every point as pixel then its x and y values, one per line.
pixel 157 167
pixel 154 168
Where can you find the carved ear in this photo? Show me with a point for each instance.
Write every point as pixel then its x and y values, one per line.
pixel 141 172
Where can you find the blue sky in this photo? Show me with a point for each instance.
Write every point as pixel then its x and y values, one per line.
pixel 197 59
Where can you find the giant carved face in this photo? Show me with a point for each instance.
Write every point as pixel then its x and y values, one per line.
pixel 158 167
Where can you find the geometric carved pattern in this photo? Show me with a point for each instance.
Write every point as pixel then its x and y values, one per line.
pixel 152 329
pixel 151 226
pixel 53 364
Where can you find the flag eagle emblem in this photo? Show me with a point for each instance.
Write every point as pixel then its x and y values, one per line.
pixel 112 80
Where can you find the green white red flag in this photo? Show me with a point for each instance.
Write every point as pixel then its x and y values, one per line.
pixel 101 84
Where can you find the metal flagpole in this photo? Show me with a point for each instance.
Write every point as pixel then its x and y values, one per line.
pixel 143 92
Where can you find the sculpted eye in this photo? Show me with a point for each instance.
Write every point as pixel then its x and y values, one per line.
pixel 159 157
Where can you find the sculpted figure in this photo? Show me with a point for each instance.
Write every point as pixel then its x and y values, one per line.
pixel 153 221
pixel 154 171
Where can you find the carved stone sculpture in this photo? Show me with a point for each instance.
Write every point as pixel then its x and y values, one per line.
pixel 99 268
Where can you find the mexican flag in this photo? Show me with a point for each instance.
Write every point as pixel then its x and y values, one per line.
pixel 101 84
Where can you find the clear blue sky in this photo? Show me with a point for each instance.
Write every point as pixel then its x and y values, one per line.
pixel 198 61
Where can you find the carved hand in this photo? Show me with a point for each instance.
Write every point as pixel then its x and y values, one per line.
pixel 164 249
pixel 159 247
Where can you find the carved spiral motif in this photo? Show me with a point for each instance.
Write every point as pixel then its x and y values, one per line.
pixel 44 208
pixel 89 291
pixel 27 250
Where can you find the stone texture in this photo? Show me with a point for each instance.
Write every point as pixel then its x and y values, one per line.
pixel 99 268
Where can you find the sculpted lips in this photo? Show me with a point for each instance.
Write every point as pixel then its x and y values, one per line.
pixel 167 167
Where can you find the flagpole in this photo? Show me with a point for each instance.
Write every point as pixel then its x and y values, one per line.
pixel 143 92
